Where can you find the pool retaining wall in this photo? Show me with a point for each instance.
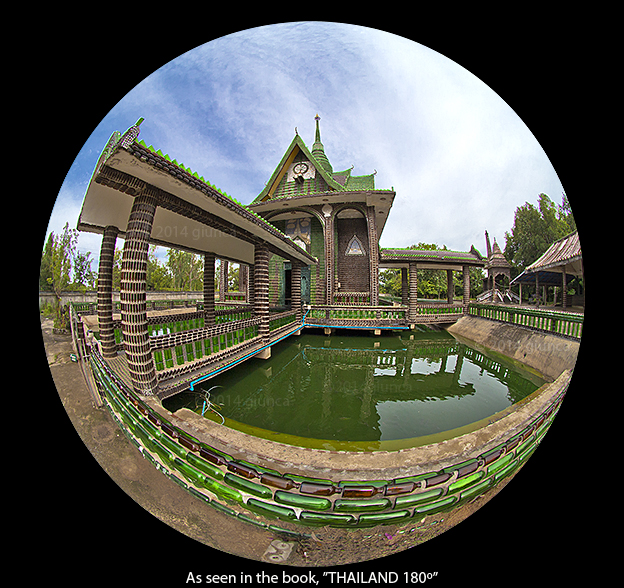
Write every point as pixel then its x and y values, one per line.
pixel 546 353
pixel 264 482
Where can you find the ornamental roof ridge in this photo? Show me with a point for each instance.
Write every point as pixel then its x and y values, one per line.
pixel 185 174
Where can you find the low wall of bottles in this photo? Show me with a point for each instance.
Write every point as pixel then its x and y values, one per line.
pixel 563 324
pixel 258 494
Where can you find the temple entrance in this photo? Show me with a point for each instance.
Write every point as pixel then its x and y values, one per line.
pixel 305 284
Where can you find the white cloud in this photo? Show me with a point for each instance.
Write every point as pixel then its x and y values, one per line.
pixel 459 158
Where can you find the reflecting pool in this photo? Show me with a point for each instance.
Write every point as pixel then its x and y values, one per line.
pixel 361 388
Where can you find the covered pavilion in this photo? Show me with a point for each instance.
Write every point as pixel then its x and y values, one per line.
pixel 562 259
pixel 143 196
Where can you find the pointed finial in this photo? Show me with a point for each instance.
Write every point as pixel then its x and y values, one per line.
pixel 317 117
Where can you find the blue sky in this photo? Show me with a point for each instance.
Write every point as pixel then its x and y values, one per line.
pixel 460 159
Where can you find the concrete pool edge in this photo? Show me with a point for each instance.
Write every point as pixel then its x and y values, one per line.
pixel 370 465
pixel 260 480
pixel 547 354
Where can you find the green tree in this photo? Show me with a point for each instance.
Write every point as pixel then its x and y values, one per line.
pixel 45 270
pixel 233 274
pixel 84 278
pixel 186 270
pixel 158 275
pixel 390 282
pixel 536 228
pixel 60 250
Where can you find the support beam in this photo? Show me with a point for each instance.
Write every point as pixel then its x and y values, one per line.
pixel 373 254
pixel 224 271
pixel 536 290
pixel 133 295
pixel 413 292
pixel 261 288
pixel 450 288
pixel 329 259
pixel 404 287
pixel 295 288
pixel 466 287
pixel 209 289
pixel 105 293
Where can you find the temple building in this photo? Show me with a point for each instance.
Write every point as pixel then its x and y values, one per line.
pixel 338 217
pixel 497 266
pixel 307 249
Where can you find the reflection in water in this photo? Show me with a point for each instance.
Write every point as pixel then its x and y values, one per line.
pixel 356 388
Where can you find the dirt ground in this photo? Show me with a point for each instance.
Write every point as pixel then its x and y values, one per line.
pixel 106 525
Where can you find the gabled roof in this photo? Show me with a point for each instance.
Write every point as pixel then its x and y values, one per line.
pixel 396 257
pixel 192 214
pixel 565 252
pixel 294 148
pixel 331 181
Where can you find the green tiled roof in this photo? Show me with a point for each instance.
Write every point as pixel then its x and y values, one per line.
pixel 397 253
pixel 326 179
pixel 130 140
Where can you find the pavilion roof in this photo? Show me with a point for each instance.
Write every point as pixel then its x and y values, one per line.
pixel 127 165
pixel 564 253
pixel 434 258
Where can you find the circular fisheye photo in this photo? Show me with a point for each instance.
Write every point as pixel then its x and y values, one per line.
pixel 312 295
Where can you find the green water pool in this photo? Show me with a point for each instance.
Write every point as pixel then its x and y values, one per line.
pixel 366 390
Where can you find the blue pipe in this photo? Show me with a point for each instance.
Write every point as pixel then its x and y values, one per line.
pixel 358 327
pixel 229 365
pixel 209 375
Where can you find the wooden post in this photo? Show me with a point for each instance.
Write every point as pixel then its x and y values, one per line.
pixel 223 280
pixel 404 287
pixel 295 288
pixel 466 287
pixel 449 286
pixel 329 259
pixel 413 292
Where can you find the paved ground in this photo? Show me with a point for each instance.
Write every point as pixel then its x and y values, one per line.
pixel 93 522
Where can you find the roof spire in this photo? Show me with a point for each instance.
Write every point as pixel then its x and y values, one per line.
pixel 318 151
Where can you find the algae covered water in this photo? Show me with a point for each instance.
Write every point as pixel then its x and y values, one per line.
pixel 362 388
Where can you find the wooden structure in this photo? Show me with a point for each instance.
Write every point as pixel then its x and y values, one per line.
pixel 496 265
pixel 562 259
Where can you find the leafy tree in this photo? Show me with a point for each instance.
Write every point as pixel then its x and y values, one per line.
pixel 536 228
pixel 45 270
pixel 84 276
pixel 233 273
pixel 58 255
pixel 390 282
pixel 158 275
pixel 186 270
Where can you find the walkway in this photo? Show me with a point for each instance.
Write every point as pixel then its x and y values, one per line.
pixel 145 198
